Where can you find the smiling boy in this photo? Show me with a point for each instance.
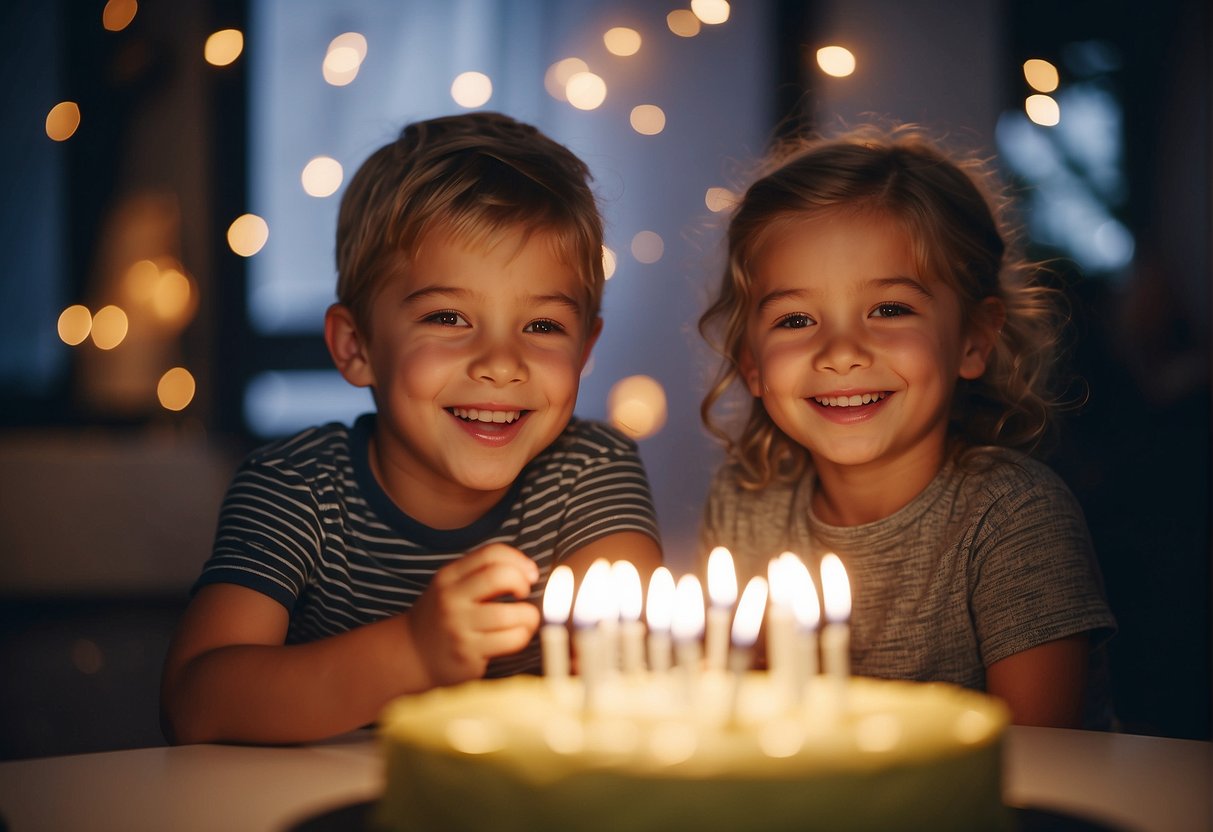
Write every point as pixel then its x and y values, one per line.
pixel 356 564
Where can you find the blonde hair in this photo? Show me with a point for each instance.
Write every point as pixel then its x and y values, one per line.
pixel 470 176
pixel 956 220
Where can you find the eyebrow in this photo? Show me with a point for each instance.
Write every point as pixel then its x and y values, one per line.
pixel 771 298
pixel 427 292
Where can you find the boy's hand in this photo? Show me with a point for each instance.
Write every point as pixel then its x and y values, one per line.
pixel 457 627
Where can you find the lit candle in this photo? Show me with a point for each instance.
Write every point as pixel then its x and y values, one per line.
pixel 781 653
pixel 587 612
pixel 836 635
pixel 626 581
pixel 806 609
pixel 687 627
pixel 722 591
pixel 554 638
pixel 746 625
pixel 659 612
pixel 608 625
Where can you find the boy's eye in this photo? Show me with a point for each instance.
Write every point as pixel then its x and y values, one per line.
pixel 796 320
pixel 544 327
pixel 891 310
pixel 446 318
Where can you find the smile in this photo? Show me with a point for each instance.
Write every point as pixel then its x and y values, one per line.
pixel 499 417
pixel 849 401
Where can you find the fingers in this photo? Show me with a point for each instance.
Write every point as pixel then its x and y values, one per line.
pixel 490 572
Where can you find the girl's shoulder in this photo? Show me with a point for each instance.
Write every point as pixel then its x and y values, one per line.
pixel 1008 476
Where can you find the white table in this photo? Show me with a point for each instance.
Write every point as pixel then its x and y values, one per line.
pixel 1134 783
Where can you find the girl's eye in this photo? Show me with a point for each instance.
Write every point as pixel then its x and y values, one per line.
pixel 796 320
pixel 891 310
pixel 446 318
pixel 544 327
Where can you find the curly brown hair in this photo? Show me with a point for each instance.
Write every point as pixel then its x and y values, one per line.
pixel 956 216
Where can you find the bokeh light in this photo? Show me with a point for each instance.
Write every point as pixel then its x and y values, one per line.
pixel 648 119
pixel 248 234
pixel 175 389
pixel 683 23
pixel 637 406
pixel 118 14
pixel 836 60
pixel 322 176
pixel 585 91
pixel 647 246
pixel 63 120
pixel 558 74
pixel 344 58
pixel 75 323
pixel 711 12
pixel 622 41
pixel 472 89
pixel 1043 110
pixel 719 199
pixel 223 47
pixel 608 262
pixel 110 326
pixel 172 295
pixel 1041 75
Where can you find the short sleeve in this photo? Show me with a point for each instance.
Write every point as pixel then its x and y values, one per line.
pixel 269 535
pixel 1035 578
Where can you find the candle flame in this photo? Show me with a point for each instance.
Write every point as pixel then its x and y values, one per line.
pixel 777 577
pixel 626 582
pixel 748 620
pixel 660 605
pixel 688 609
pixel 558 595
pixel 805 606
pixel 722 578
pixel 591 601
pixel 835 588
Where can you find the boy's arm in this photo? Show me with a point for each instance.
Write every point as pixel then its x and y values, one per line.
pixel 229 676
pixel 1044 685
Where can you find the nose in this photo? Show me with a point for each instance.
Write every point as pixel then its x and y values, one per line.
pixel 841 350
pixel 498 360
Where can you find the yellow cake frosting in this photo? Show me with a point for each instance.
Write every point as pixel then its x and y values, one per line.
pixel 713 753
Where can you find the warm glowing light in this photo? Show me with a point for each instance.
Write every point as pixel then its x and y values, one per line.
pixel 585 90
pixel 648 119
pixel 591 603
pixel 625 581
pixel 711 12
pixel 835 588
pixel 118 14
pixel 558 595
pixel 836 60
pixel 1043 110
pixel 722 577
pixel 647 246
pixel 176 389
pixel 803 592
pixel 171 295
pixel 719 199
pixel 659 607
pixel 637 406
pixel 75 323
pixel 109 327
pixel 608 263
pixel 350 40
pixel 223 47
pixel 1040 75
pixel 63 120
pixel 683 23
pixel 622 41
pixel 557 77
pixel 247 234
pixel 140 281
pixel 688 609
pixel 344 58
pixel 472 89
pixel 748 620
pixel 322 176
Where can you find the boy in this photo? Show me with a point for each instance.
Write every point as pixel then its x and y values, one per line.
pixel 354 565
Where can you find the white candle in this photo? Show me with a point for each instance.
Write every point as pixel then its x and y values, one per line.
pixel 631 601
pixel 554 637
pixel 746 625
pixel 659 612
pixel 587 612
pixel 806 610
pixel 687 627
pixel 836 636
pixel 722 591
pixel 781 655
pixel 608 625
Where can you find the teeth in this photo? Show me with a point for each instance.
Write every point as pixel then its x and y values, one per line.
pixel 500 417
pixel 849 401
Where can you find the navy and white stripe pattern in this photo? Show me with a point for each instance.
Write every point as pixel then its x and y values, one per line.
pixel 306 523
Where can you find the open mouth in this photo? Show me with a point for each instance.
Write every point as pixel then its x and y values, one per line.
pixel 858 400
pixel 490 417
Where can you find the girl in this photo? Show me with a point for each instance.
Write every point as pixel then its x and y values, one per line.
pixel 900 357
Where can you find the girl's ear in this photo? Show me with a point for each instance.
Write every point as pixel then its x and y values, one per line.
pixel 749 372
pixel 347 346
pixel 984 331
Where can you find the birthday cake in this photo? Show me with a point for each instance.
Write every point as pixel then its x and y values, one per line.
pixel 715 752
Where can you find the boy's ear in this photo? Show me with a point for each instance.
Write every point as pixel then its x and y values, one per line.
pixel 749 372
pixel 983 333
pixel 590 340
pixel 346 346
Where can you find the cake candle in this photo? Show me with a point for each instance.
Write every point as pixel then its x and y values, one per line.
pixel 631 602
pixel 806 610
pixel 554 637
pixel 781 654
pixel 722 591
pixel 746 625
pixel 659 612
pixel 836 636
pixel 587 612
pixel 687 628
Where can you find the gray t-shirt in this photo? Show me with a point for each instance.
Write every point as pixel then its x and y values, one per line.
pixel 992 558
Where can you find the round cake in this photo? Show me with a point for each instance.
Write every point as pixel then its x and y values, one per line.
pixel 716 752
